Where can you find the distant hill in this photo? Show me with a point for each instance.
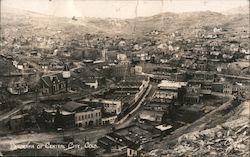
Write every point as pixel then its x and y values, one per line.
pixel 238 10
pixel 171 22
pixel 166 22
pixel 13 12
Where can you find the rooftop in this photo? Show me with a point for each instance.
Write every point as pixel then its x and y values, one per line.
pixel 151 115
pixel 163 127
pixel 53 111
pixel 72 106
pixel 134 133
pixel 124 97
pixel 164 94
pixel 171 84
pixel 48 79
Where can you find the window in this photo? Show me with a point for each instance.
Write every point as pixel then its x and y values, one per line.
pixel 130 152
pixel 96 114
pixel 91 115
pixel 88 115
pixel 82 117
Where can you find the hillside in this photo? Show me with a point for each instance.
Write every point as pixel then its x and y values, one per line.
pixel 170 22
pixel 238 10
pixel 230 137
pixel 187 23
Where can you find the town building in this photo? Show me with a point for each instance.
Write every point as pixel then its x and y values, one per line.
pixel 171 85
pixel 129 141
pixel 45 66
pixel 155 105
pixel 57 118
pixel 201 65
pixel 222 87
pixel 131 86
pixel 168 73
pixel 84 115
pixel 91 82
pixel 162 100
pixel 151 116
pixel 193 94
pixel 165 95
pixel 164 129
pixel 108 118
pixel 204 76
pixel 109 106
pixel 138 69
pixel 120 70
pixel 127 92
pixel 141 57
pixel 18 87
pixel 239 88
pixel 52 84
pixel 206 87
pixel 66 74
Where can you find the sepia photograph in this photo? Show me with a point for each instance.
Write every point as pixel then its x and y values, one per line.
pixel 124 78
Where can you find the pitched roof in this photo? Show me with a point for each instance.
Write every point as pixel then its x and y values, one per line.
pixel 48 79
pixel 72 106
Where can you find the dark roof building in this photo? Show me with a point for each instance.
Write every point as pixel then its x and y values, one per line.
pixel 52 84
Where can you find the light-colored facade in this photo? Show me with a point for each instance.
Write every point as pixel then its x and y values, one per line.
pixel 84 115
pixel 110 106
pixel 18 88
pixel 162 94
pixel 131 152
pixel 171 85
pixel 88 118
pixel 92 84
pixel 109 120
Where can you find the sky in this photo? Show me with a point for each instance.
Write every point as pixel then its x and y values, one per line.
pixel 120 8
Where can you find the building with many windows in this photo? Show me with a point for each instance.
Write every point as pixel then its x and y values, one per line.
pixel 109 106
pixel 193 94
pixel 84 115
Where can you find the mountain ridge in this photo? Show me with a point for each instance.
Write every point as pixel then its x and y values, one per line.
pixel 166 22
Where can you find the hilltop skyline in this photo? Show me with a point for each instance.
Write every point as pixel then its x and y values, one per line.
pixel 120 9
